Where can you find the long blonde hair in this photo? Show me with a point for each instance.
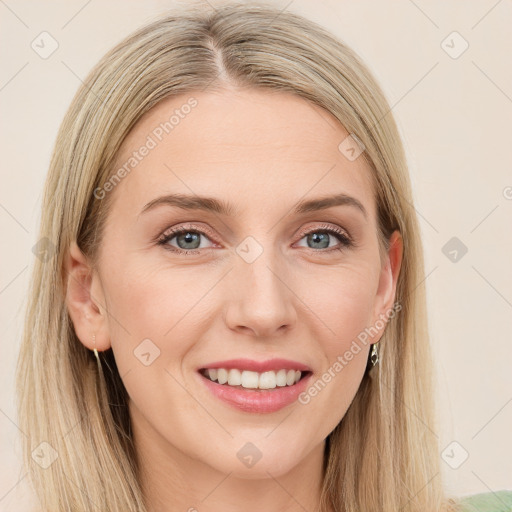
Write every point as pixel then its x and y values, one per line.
pixel 383 455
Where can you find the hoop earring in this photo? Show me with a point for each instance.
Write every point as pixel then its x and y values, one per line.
pixel 374 355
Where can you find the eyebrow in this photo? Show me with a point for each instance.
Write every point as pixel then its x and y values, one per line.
pixel 211 204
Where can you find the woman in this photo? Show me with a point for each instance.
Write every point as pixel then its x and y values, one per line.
pixel 234 312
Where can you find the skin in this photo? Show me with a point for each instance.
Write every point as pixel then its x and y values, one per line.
pixel 263 152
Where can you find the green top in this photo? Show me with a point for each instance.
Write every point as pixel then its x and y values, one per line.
pixel 499 501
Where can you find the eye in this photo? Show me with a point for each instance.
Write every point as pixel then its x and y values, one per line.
pixel 188 239
pixel 319 238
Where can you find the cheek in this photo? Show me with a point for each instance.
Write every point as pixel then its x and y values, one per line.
pixel 343 299
pixel 168 307
pixel 150 299
pixel 344 303
pixel 153 324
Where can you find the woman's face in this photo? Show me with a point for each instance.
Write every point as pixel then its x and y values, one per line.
pixel 263 278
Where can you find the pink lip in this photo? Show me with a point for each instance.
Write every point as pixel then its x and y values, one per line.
pixel 257 400
pixel 259 366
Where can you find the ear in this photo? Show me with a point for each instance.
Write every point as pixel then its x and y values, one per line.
pixel 85 301
pixel 386 291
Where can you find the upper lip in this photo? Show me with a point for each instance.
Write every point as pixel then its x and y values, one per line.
pixel 258 366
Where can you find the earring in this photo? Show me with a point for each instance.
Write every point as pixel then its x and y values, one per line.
pixel 374 355
pixel 94 350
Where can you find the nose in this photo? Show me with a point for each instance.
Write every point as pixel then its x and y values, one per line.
pixel 261 301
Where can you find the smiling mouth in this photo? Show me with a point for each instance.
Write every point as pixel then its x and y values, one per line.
pixel 254 381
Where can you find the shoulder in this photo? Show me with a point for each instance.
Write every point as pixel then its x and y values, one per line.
pixel 498 501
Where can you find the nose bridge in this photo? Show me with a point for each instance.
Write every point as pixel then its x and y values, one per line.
pixel 262 301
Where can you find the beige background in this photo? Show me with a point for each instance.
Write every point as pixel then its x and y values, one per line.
pixel 455 116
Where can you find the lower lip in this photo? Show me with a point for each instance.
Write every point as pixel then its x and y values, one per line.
pixel 257 400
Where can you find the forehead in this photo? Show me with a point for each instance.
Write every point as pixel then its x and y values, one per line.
pixel 254 146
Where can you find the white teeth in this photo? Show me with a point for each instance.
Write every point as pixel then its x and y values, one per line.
pixel 249 379
pixel 234 377
pixel 222 376
pixel 281 378
pixel 267 380
pixel 253 380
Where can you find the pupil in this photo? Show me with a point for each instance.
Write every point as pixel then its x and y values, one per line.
pixel 189 238
pixel 318 238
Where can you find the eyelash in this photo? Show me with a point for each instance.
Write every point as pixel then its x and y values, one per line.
pixel 346 241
